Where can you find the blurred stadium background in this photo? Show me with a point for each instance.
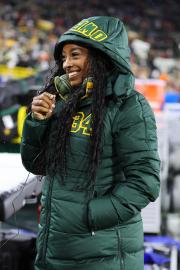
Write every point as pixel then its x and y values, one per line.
pixel 28 33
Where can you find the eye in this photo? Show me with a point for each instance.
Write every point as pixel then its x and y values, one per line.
pixel 75 54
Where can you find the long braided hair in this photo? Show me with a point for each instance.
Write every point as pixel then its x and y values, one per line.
pixel 99 65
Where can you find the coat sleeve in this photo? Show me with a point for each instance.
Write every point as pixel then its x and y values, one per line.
pixel 135 143
pixel 32 147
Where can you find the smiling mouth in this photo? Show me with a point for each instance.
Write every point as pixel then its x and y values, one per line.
pixel 73 74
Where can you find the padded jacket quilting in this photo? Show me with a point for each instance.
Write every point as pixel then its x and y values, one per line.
pixel 99 229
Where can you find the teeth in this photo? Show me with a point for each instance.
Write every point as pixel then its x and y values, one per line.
pixel 74 73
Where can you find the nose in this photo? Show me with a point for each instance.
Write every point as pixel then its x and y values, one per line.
pixel 67 63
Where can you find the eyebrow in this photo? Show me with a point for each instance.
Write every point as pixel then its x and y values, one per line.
pixel 73 49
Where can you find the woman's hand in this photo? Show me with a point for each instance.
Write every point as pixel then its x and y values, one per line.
pixel 43 106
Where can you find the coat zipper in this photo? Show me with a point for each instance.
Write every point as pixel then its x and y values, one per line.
pixel 121 257
pixel 91 228
pixel 44 247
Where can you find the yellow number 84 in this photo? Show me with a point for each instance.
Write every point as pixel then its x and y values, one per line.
pixel 81 123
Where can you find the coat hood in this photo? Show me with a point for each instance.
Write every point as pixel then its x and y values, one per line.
pixel 108 35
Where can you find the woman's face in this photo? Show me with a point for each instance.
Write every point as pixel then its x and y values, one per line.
pixel 75 63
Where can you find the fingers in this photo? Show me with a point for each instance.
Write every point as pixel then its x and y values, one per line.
pixel 50 96
pixel 45 100
pixel 38 116
pixel 43 105
pixel 39 109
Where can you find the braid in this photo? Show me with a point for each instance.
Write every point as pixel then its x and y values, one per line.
pixel 49 85
pixel 58 138
pixel 99 71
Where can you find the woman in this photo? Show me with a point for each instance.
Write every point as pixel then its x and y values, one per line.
pixel 94 138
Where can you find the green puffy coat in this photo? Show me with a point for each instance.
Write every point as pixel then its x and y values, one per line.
pixel 102 231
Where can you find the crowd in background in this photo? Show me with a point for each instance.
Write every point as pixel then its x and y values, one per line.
pixel 29 30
